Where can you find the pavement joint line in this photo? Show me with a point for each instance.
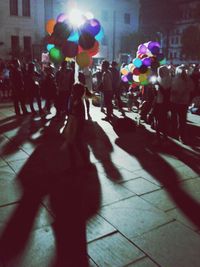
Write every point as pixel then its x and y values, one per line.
pixel 10 203
pixel 103 236
pixel 116 201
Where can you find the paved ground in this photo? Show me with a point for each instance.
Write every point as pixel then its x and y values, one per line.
pixel 141 202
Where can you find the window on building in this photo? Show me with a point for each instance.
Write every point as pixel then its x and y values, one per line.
pixel 104 15
pixel 15 45
pixel 26 12
pixel 27 45
pixel 14 7
pixel 127 18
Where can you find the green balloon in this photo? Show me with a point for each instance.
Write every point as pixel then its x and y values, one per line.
pixel 56 55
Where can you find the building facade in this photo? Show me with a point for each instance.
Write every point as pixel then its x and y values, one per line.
pixel 169 28
pixel 23 23
pixel 21 27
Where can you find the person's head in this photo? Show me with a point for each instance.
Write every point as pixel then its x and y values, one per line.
pixel 181 72
pixel 114 64
pixel 78 91
pixel 163 71
pixel 16 63
pixel 64 65
pixel 105 65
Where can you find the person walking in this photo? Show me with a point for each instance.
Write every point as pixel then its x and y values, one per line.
pixel 181 92
pixel 18 91
pixel 107 89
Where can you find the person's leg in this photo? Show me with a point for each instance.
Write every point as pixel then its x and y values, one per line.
pixel 16 105
pixel 102 101
pixel 182 113
pixel 174 120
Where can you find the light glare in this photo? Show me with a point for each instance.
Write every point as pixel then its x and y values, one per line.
pixel 76 18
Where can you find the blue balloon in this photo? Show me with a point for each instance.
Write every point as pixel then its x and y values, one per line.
pixel 74 36
pixel 137 62
pixel 49 46
pixel 100 35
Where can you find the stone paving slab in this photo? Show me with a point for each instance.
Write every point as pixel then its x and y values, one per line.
pixel 192 186
pixel 186 172
pixel 38 252
pixel 17 164
pixel 17 155
pixel 144 174
pixel 9 188
pixel 179 216
pixel 112 192
pixel 160 199
pixel 113 250
pixel 2 162
pixel 43 218
pixel 133 216
pixel 171 245
pixel 140 186
pixel 98 227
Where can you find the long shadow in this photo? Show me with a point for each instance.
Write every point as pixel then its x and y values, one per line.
pixel 28 126
pixel 10 123
pixel 140 147
pixel 194 136
pixel 50 171
pixel 8 119
pixel 102 148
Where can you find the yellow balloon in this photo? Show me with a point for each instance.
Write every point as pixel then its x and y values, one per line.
pixel 83 59
pixel 142 77
pixel 124 71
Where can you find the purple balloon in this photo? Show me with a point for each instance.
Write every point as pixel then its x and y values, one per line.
pixel 61 17
pixel 142 49
pixel 152 44
pixel 146 61
pixel 91 26
pixel 124 78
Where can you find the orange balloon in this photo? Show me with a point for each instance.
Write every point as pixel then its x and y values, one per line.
pixel 50 26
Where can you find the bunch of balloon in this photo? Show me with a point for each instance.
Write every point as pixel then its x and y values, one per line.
pixel 66 42
pixel 148 59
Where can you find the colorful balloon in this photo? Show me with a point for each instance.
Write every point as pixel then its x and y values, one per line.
pixel 83 59
pixel 137 62
pixel 86 40
pixel 61 17
pixel 91 26
pixel 94 50
pixel 56 55
pixel 50 26
pixel 146 61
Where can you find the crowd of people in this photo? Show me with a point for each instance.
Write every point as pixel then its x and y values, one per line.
pixel 163 103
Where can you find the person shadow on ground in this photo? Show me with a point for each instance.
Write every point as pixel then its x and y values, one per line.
pixel 102 148
pixel 139 145
pixel 74 195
